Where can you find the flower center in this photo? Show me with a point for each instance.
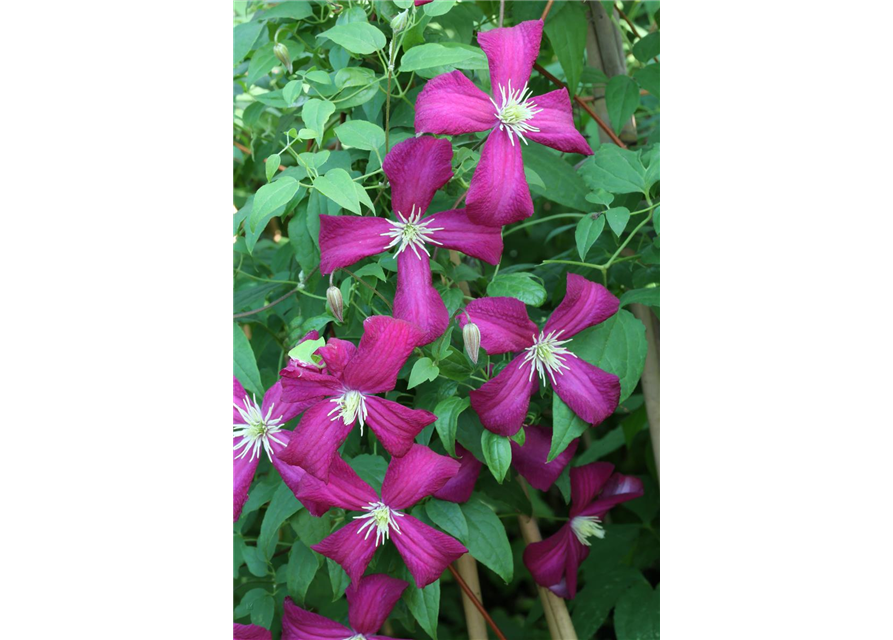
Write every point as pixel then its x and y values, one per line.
pixel 516 108
pixel 359 636
pixel 547 354
pixel 256 429
pixel 410 232
pixel 350 406
pixel 586 526
pixel 381 518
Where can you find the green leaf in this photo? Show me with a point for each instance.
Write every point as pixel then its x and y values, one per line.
pixel 588 231
pixel 448 516
pixel 292 91
pixel 423 604
pixel 497 453
pixel 430 55
pixel 617 218
pixel 262 62
pixel 523 286
pixel 269 198
pixel 622 98
pixel 565 186
pixel 591 75
pixel 301 569
pixel 648 78
pixel 271 166
pixel 598 597
pixel 361 135
pixel 647 47
pixel 440 348
pixel 370 468
pixel 424 370
pixel 566 425
pixel 245 35
pixel 614 169
pixel 650 296
pixel 372 270
pixel 600 196
pixel 520 437
pixel 262 611
pixel 257 565
pixel 251 114
pixel 567 33
pixel 618 346
pixel 612 441
pixel 357 37
pixel 657 220
pixel 318 76
pixel 338 187
pixel 438 7
pixel 305 350
pixel 533 178
pixel 637 616
pixel 339 579
pixel 487 541
pixel 294 10
pixel 315 114
pixel 448 412
pixel 244 363
pixel 283 506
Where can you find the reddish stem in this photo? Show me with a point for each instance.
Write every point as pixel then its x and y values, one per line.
pixel 476 602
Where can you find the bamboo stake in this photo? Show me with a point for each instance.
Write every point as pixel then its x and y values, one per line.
pixel 467 567
pixel 651 379
pixel 477 603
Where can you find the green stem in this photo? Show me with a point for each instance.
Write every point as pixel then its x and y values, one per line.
pixel 546 219
pixel 297 284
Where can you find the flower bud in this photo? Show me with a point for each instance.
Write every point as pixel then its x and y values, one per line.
pixel 398 22
pixel 336 302
pixel 281 52
pixel 471 335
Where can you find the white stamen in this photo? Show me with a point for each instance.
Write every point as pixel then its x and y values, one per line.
pixel 547 354
pixel 411 232
pixel 380 517
pixel 256 429
pixel 586 526
pixel 350 406
pixel 516 109
pixel 359 636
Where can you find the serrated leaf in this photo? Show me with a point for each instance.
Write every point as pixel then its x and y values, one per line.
pixel 448 412
pixel 567 34
pixel 270 197
pixel 357 37
pixel 587 232
pixel 338 187
pixel 424 370
pixel 618 346
pixel 487 541
pixel 497 453
pixel 282 507
pixel 302 567
pixel 448 516
pixel 244 363
pixel 523 286
pixel 622 99
pixel 566 425
pixel 271 166
pixel 360 134
pixel 617 218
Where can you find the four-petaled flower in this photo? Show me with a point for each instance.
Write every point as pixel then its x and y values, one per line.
pixel 502 402
pixel 416 169
pixel 553 562
pixel 369 603
pixel 418 474
pixel 344 394
pixel 451 104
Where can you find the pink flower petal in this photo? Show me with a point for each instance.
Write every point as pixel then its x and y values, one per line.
pixel 426 551
pixel 498 194
pixel 345 489
pixel 416 300
pixel 298 624
pixel 336 354
pixel 416 475
pixel 504 324
pixel 502 402
pixel 555 122
pixel 301 385
pixel 586 483
pixel 280 409
pixel 451 104
pixel 384 348
pixel 461 234
pixel 554 562
pixel 511 52
pixel 590 392
pixel 530 460
pixel 316 439
pixel 585 304
pixel 350 548
pixel 243 474
pixel 250 632
pixel 395 425
pixel 370 601
pixel 344 240
pixel 619 488
pixel 239 395
pixel 419 3
pixel 459 488
pixel 416 168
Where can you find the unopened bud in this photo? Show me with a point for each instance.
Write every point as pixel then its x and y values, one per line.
pixel 281 52
pixel 398 22
pixel 471 335
pixel 336 302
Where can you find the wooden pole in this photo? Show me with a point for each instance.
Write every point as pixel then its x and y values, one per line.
pixel 651 378
pixel 467 567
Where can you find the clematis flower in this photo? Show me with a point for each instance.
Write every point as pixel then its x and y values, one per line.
pixel 369 603
pixel 451 104
pixel 250 632
pixel 345 394
pixel 419 3
pixel 502 402
pixel 530 459
pixel 418 474
pixel 459 487
pixel 554 562
pixel 416 169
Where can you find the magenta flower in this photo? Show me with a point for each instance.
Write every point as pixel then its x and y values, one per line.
pixel 530 460
pixel 344 394
pixel 554 562
pixel 459 487
pixel 505 327
pixel 451 104
pixel 250 632
pixel 418 474
pixel 416 169
pixel 369 603
pixel 419 3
